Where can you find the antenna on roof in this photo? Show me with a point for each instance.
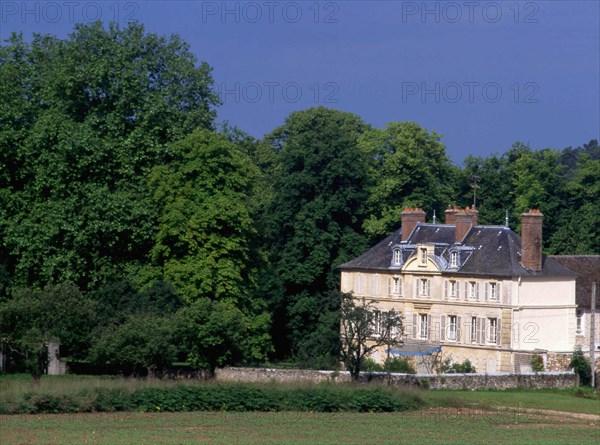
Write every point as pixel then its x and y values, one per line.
pixel 506 219
pixel 434 216
pixel 475 187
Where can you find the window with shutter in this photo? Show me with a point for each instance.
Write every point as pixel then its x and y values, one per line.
pixel 473 330
pixel 452 327
pixel 458 328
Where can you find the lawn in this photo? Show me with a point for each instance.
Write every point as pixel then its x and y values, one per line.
pixel 428 426
pixel 546 399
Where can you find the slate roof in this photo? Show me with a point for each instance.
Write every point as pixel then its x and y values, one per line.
pixel 485 250
pixel 587 268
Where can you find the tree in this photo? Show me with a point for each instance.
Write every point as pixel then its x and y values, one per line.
pixel 408 167
pixel 77 140
pixel 363 330
pixel 32 318
pixel 581 365
pixel 578 226
pixel 493 187
pixel 215 333
pixel 206 235
pixel 313 221
pixel 143 343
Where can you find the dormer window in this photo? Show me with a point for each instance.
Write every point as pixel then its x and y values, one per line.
pixel 423 251
pixel 397 257
pixel 454 259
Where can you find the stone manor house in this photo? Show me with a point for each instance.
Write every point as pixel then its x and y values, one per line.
pixel 478 292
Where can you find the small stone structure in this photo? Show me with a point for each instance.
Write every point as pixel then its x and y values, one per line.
pixel 55 365
pixel 431 381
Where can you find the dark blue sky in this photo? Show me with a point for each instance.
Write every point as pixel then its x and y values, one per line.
pixel 482 74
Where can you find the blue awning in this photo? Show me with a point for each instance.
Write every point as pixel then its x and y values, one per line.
pixel 416 351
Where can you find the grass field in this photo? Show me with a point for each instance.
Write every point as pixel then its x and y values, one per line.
pixel 428 426
pixel 451 417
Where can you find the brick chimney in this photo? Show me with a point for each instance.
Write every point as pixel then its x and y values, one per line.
pixel 531 239
pixel 410 218
pixel 451 215
pixel 464 220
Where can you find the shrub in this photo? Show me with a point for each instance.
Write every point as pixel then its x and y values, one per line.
pixel 581 365
pixel 399 364
pixel 537 363
pixel 370 365
pixel 447 367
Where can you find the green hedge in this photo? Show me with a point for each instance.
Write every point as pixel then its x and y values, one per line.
pixel 220 397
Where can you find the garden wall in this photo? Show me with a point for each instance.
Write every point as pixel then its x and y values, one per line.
pixel 432 381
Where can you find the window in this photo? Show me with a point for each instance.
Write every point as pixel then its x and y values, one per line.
pixel 397 286
pixel 492 331
pixel 453 288
pixel 493 291
pixel 376 323
pixel 579 322
pixel 473 290
pixel 397 257
pixel 452 328
pixel 423 326
pixel 423 256
pixel 423 287
pixel 453 259
pixel 473 330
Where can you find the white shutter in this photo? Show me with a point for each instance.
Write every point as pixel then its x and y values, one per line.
pixel 485 291
pixel 499 292
pixel 477 291
pixel 416 287
pixel 481 330
pixel 447 283
pixel 390 280
pixel 429 336
pixel 498 332
pixel 415 325
pixel 443 328
pixel 428 287
pixel 457 289
pixel 458 328
pixel 466 290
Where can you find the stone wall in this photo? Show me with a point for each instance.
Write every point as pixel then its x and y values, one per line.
pixel 557 361
pixel 432 381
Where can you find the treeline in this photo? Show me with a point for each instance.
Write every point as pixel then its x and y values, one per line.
pixel 139 233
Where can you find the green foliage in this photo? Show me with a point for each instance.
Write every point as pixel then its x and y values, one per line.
pixel 448 367
pixel 140 344
pixel 537 363
pixel 370 365
pixel 204 242
pixel 220 397
pixel 78 141
pixel 408 167
pixel 581 365
pixel 399 364
pixel 312 223
pixel 218 333
pixel 30 319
